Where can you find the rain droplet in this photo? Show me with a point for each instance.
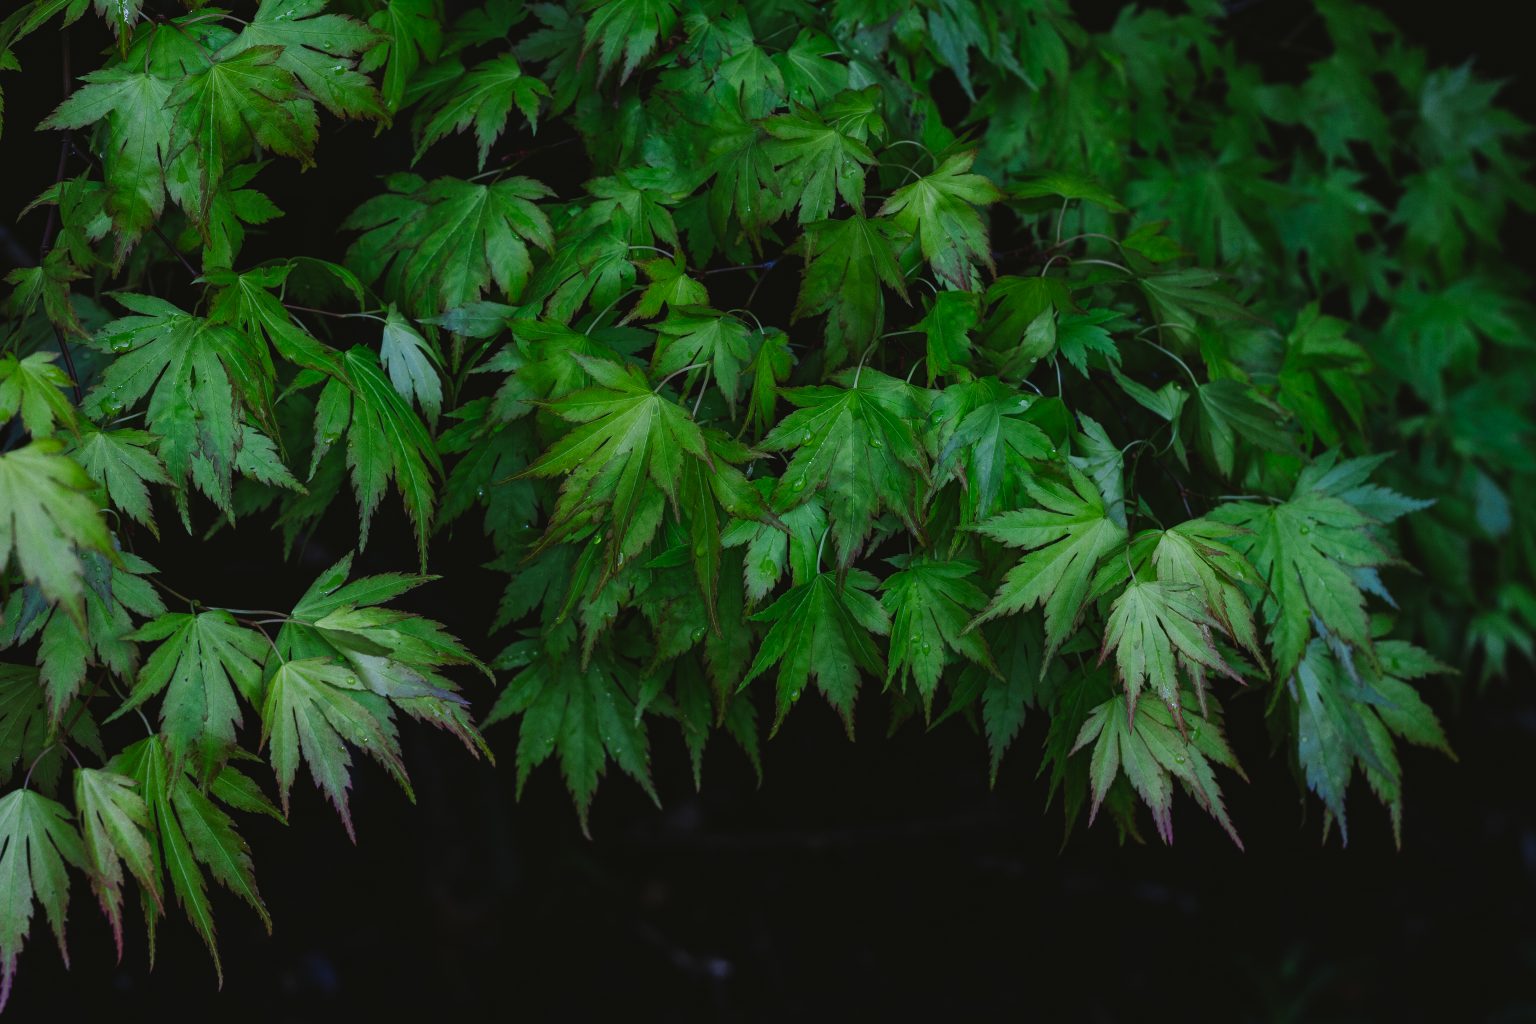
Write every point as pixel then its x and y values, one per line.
pixel 700 550
pixel 799 485
pixel 794 695
pixel 1024 402
pixel 698 634
pixel 925 648
pixel 1178 758
pixel 329 438
pixel 479 492
pixel 121 345
pixel 1305 528
pixel 875 442
pixel 805 438
pixel 767 566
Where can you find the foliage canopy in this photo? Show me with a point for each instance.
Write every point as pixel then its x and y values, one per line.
pixel 938 352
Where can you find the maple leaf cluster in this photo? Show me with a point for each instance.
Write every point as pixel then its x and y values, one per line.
pixel 1126 390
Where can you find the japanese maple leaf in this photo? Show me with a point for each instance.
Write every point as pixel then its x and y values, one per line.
pixel 36 842
pixel 821 155
pixel 1144 745
pixel 627 453
pixel 848 264
pixel 930 603
pixel 200 377
pixel 444 243
pixel 484 98
pixel 1154 628
pixel 201 660
pixel 1065 539
pixel 823 628
pixel 317 48
pixel 47 518
pixel 854 445
pixel 939 209
pixel 625 31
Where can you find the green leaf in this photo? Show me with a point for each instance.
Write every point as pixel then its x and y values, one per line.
pixel 36 842
pixel 939 210
pixel 822 629
pixel 1230 410
pixel 1066 186
pixel 315 707
pixel 930 602
pixel 1065 539
pixel 985 439
pixel 235 104
pixel 200 662
pixel 846 264
pixel 1307 551
pixel 1155 628
pixel 411 365
pixel 385 441
pixel 1144 746
pixel 27 732
pixel 70 644
pixel 48 519
pixel 135 105
pixel 189 830
pixel 444 243
pixel 485 98
pixel 625 30
pixel 855 448
pixel 319 50
pixel 115 823
pixel 950 319
pixel 410 33
pixel 670 287
pixel 700 336
pixel 124 464
pixel 584 713
pixel 201 378
pixel 627 454
pixel 822 155
pixel 36 389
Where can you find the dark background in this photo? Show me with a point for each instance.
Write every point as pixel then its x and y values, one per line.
pixel 880 878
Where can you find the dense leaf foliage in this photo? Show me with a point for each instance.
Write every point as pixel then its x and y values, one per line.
pixel 938 353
